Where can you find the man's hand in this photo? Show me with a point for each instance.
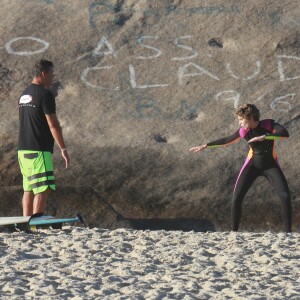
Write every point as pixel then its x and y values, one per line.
pixel 257 139
pixel 198 148
pixel 66 157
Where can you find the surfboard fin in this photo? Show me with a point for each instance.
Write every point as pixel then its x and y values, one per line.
pixel 80 218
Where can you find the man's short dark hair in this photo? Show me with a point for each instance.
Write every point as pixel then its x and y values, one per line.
pixel 42 65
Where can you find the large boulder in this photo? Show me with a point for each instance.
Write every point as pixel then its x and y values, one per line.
pixel 140 82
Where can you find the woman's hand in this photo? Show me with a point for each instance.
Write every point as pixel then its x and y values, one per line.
pixel 257 139
pixel 198 148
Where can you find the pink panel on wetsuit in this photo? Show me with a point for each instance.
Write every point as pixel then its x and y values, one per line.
pixel 243 132
pixel 267 124
pixel 242 169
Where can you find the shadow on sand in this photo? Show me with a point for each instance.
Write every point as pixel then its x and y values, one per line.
pixel 183 224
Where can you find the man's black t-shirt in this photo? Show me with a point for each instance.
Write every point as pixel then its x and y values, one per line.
pixel 34 133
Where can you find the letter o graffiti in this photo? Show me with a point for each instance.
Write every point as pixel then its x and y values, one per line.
pixel 10 50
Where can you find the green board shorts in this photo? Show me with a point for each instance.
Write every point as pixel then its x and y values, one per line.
pixel 37 170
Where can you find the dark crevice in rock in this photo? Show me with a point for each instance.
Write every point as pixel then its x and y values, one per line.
pixel 216 43
pixel 121 17
pixel 159 138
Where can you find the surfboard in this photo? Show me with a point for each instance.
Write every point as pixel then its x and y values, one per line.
pixel 48 222
pixel 19 220
pixel 31 224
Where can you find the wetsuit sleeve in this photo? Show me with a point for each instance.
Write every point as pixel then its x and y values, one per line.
pixel 278 132
pixel 48 102
pixel 225 141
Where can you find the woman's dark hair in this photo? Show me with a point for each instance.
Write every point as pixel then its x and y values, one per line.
pixel 247 111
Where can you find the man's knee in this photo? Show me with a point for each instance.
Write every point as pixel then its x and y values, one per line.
pixel 43 195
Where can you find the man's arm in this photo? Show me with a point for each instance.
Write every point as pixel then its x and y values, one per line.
pixel 56 131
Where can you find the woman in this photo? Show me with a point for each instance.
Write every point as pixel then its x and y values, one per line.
pixel 261 160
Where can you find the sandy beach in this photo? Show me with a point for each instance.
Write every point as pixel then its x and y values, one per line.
pixel 82 263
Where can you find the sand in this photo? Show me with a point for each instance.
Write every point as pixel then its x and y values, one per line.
pixel 82 263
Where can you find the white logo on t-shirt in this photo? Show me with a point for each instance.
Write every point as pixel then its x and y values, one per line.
pixel 25 99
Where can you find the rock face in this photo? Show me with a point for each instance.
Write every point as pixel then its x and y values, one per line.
pixel 140 82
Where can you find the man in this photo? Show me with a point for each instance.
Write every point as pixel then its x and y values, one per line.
pixel 39 128
pixel 261 160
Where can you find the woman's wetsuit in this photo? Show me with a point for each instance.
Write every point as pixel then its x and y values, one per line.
pixel 261 161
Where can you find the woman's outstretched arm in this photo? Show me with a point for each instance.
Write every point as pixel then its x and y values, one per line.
pixel 217 143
